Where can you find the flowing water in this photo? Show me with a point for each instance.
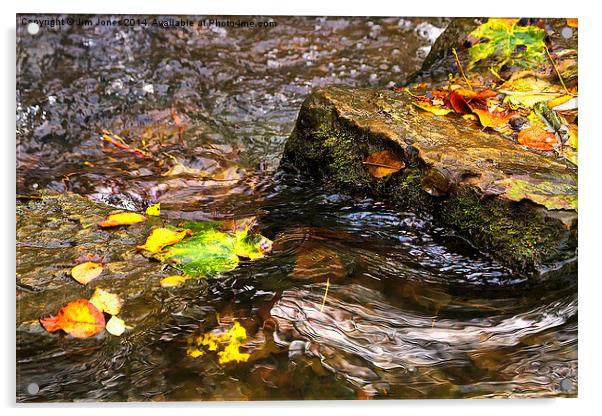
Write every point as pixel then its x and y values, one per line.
pixel 357 300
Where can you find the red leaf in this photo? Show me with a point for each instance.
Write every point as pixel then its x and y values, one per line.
pixel 459 104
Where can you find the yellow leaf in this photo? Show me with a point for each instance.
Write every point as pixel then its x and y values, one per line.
pixel 194 352
pixel 106 301
pixel 86 272
pixel 234 338
pixel 154 210
pixel 559 100
pixel 529 90
pixel 162 237
pixel 174 280
pixel 435 109
pixel 125 218
pixel 115 326
pixel 383 163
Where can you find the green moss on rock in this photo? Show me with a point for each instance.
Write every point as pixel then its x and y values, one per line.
pixel 518 234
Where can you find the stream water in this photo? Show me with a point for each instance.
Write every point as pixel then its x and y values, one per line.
pixel 412 311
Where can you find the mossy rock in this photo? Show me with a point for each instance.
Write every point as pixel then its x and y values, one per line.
pixel 516 205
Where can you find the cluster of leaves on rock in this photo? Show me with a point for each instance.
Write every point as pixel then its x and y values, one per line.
pixel 528 91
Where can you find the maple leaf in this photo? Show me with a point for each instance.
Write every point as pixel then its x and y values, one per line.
pixel 508 43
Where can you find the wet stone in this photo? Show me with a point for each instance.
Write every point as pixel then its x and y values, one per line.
pixel 515 205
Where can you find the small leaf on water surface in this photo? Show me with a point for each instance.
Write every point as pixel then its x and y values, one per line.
pixel 154 210
pixel 229 342
pixel 80 319
pixel 174 280
pixel 537 137
pixel 115 326
pixel 126 218
pixel 384 163
pixel 508 42
pixel 86 272
pixel 161 238
pixel 106 301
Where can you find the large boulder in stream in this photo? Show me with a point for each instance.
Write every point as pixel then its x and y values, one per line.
pixel 515 204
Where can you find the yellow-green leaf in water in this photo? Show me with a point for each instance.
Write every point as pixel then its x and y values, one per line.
pixel 154 210
pixel 86 272
pixel 210 251
pixel 161 238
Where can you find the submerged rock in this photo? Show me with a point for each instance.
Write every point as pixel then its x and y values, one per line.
pixel 517 205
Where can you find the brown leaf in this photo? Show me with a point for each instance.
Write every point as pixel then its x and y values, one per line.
pixel 383 163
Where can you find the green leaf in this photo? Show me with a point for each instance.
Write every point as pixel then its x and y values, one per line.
pixel 209 251
pixel 507 42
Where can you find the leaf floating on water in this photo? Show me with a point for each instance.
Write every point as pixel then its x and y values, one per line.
pixel 80 319
pixel 229 342
pixel 174 280
pixel 161 238
pixel 537 137
pixel 86 272
pixel 126 218
pixel 154 210
pixel 115 326
pixel 209 251
pixel 385 163
pixel 106 301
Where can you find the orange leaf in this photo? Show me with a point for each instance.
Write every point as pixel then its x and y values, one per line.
pixel 537 137
pixel 125 218
pixel 493 119
pixel 80 319
pixel 572 22
pixel 383 163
